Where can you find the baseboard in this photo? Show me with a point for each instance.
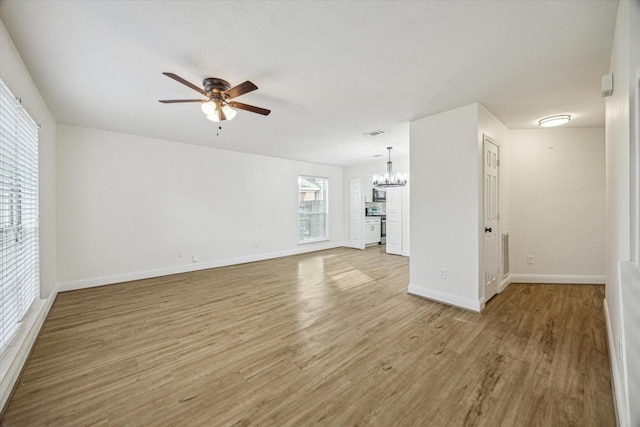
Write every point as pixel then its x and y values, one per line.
pixel 617 382
pixel 446 298
pixel 405 253
pixel 140 275
pixel 504 283
pixel 557 278
pixel 16 355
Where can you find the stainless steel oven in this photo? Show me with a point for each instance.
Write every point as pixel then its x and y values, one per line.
pixel 383 230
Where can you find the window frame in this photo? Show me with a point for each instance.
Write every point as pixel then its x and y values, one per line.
pixel 326 237
pixel 19 215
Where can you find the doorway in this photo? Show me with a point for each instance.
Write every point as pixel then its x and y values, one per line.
pixel 490 213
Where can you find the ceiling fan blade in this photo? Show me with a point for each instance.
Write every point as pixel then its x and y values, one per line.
pixel 247 107
pixel 173 101
pixel 186 83
pixel 241 89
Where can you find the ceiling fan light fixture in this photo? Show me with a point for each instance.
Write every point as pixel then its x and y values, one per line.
pixel 216 112
pixel 553 121
pixel 229 112
pixel 209 108
pixel 218 92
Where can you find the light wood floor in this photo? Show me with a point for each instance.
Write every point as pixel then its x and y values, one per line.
pixel 328 338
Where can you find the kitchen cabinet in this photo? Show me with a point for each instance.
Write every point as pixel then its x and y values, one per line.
pixel 371 234
pixel 367 189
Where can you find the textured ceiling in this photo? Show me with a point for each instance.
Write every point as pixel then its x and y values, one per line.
pixel 329 71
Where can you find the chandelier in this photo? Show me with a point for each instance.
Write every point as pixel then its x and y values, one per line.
pixel 390 179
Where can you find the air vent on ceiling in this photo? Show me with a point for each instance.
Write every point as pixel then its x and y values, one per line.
pixel 375 133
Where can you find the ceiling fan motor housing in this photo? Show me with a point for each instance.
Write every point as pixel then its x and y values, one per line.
pixel 214 85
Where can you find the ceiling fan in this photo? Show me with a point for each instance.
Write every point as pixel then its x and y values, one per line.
pixel 219 93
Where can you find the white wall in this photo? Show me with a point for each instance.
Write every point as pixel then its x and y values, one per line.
pixel 446 200
pixel 631 292
pixel 444 204
pixel 127 204
pixel 557 205
pixel 15 75
pixel 379 166
pixel 621 302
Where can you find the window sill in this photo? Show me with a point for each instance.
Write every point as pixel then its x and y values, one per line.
pixel 322 239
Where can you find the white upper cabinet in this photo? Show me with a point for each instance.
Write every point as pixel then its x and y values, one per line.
pixel 367 188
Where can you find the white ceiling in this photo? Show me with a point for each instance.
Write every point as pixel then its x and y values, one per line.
pixel 329 70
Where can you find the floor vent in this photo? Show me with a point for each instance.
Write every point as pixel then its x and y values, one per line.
pixel 505 254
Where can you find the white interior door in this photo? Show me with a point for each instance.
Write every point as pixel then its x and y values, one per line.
pixel 356 213
pixel 394 221
pixel 491 259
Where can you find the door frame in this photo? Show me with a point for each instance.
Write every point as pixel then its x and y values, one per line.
pixel 356 216
pixel 394 202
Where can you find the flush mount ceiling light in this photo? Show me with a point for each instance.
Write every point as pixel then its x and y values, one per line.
pixel 390 179
pixel 552 121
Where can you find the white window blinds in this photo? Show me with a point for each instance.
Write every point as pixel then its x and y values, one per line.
pixel 18 214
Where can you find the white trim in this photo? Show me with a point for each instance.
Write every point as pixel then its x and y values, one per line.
pixel 557 278
pixel 445 298
pixel 316 240
pixel 405 253
pixel 327 225
pixel 504 283
pixel 634 154
pixel 481 303
pixel 14 358
pixel 616 380
pixel 139 275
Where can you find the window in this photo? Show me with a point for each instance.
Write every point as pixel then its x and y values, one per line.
pixel 313 211
pixel 19 276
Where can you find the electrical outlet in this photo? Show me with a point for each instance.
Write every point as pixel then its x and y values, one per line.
pixel 443 273
pixel 257 244
pixel 529 259
pixel 194 259
pixel 179 253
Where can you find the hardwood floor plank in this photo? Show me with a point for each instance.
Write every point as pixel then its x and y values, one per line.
pixel 327 338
